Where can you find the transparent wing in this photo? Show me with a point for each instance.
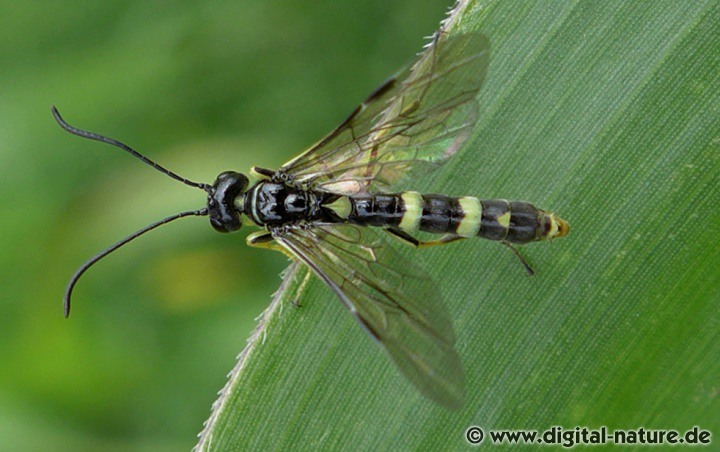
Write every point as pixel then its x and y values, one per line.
pixel 418 119
pixel 395 302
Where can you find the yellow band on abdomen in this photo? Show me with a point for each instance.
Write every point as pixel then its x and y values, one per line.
pixel 472 214
pixel 413 211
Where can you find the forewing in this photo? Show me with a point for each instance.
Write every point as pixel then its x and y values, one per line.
pixel 394 301
pixel 416 120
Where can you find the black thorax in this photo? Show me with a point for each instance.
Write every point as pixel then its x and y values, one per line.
pixel 274 204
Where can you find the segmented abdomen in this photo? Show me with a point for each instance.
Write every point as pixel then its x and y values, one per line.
pixel 494 219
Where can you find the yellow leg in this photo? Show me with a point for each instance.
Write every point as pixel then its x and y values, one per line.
pixel 264 239
pixel 410 240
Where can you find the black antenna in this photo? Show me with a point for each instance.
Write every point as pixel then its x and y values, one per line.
pixel 124 147
pixel 97 257
pixel 68 292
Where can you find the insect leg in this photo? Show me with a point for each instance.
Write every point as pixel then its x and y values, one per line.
pixel 262 173
pixel 264 239
pixel 519 256
pixel 410 240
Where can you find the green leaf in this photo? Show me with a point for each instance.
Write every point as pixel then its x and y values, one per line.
pixel 607 113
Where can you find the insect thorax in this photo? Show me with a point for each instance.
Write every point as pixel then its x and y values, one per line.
pixel 274 204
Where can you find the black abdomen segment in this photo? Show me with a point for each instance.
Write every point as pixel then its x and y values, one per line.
pixel 511 221
pixel 377 210
pixel 493 219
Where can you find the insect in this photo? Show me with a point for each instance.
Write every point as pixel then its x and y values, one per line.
pixel 333 207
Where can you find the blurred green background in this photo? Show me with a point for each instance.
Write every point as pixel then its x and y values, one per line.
pixel 201 88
